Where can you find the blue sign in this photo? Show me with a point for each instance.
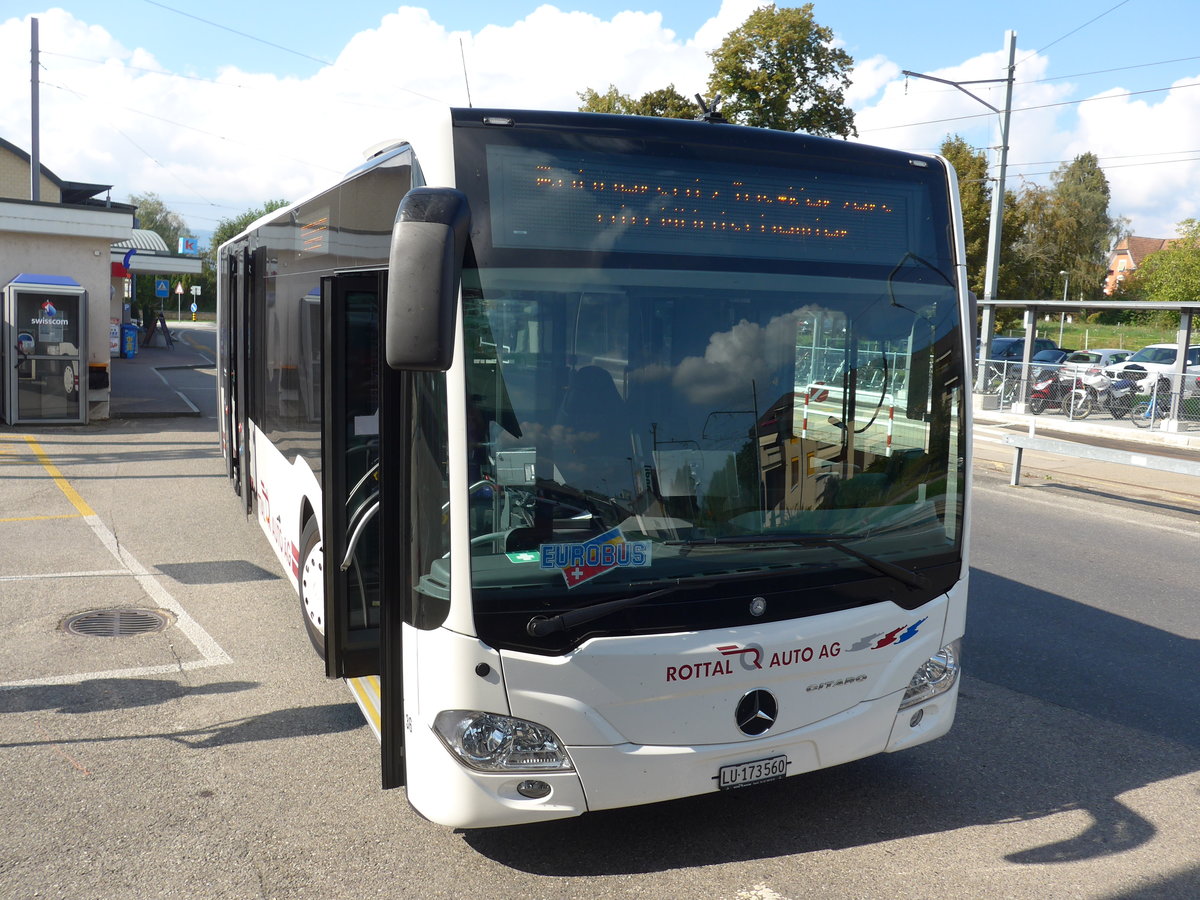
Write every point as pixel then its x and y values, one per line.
pixel 162 287
pixel 189 246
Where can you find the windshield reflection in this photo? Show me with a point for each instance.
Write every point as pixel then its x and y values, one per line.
pixel 652 411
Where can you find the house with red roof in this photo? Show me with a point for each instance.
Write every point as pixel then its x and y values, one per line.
pixel 1130 252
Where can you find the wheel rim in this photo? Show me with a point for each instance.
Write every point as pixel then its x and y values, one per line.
pixel 312 587
pixel 68 380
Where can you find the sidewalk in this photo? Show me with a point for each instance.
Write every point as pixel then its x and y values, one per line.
pixel 1093 427
pixel 1133 482
pixel 139 391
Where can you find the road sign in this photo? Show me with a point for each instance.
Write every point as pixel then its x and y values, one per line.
pixel 179 288
pixel 162 287
pixel 195 290
pixel 193 307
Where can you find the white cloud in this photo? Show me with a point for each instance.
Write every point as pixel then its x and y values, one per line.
pixel 213 148
pixel 249 136
pixel 870 76
pixel 1140 143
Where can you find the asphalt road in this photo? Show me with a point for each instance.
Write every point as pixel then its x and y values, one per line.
pixel 214 760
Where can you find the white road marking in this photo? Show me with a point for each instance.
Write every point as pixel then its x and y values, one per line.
pixel 208 648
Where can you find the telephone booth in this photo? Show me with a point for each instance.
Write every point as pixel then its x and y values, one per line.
pixel 45 343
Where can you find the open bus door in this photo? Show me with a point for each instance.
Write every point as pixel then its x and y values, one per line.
pixel 361 448
pixel 240 330
pixel 227 316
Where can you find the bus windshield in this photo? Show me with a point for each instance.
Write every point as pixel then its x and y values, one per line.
pixel 654 401
pixel 688 420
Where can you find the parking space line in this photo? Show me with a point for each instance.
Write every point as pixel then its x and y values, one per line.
pixel 200 638
pixel 63 485
pixel 207 646
pixel 47 575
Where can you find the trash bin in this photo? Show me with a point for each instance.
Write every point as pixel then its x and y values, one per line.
pixel 129 340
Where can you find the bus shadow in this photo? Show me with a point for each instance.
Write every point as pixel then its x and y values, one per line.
pixel 96 694
pixel 278 724
pixel 1065 717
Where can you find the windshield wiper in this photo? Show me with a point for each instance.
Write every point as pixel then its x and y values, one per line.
pixel 913 580
pixel 540 626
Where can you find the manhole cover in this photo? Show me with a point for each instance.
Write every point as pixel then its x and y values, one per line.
pixel 116 622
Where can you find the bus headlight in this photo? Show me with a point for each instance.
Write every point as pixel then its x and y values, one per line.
pixel 494 743
pixel 934 676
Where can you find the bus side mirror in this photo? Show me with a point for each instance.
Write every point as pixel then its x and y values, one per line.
pixel 424 268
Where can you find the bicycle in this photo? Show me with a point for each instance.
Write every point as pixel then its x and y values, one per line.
pixel 1157 407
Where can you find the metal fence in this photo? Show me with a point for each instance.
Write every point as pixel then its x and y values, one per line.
pixel 1077 391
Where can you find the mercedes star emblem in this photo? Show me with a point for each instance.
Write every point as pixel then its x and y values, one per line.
pixel 756 712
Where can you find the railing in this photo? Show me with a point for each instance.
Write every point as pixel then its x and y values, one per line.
pixel 1022 442
pixel 1078 391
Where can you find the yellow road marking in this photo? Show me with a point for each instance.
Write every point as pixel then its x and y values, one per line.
pixel 63 485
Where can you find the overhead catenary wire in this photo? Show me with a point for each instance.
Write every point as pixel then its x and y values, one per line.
pixel 1018 109
pixel 249 37
pixel 1075 30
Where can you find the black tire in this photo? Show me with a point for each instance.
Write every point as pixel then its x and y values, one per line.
pixel 1141 414
pixel 312 585
pixel 1078 404
pixel 1008 391
pixel 1037 406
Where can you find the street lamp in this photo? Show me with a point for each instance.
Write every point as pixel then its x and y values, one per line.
pixel 1062 316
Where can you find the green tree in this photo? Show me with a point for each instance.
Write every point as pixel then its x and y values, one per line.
pixel 665 102
pixel 975 198
pixel 611 101
pixel 153 215
pixel 226 229
pixel 779 69
pixel 229 228
pixel 1173 273
pixel 1067 233
pixel 1088 231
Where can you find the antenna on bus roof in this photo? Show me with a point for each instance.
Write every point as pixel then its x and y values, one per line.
pixel 710 115
pixel 463 54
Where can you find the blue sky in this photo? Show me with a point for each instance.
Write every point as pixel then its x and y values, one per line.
pixel 219 106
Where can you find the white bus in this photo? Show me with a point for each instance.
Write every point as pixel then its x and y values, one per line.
pixel 620 459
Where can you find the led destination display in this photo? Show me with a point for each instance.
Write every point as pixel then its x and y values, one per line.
pixel 591 201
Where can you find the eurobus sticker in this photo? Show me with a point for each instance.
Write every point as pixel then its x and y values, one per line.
pixel 583 562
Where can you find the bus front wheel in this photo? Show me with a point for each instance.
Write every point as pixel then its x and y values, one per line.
pixel 312 585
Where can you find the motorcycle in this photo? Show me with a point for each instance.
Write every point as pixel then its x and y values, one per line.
pixel 1117 395
pixel 1065 393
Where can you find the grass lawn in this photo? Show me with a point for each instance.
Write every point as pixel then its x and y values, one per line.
pixel 1084 336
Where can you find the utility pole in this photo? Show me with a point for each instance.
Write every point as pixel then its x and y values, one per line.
pixel 35 152
pixel 993 263
pixel 992 275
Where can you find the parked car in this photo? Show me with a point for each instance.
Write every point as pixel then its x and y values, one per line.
pixel 1156 360
pixel 1047 362
pixel 1004 360
pixel 1012 349
pixel 1093 362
